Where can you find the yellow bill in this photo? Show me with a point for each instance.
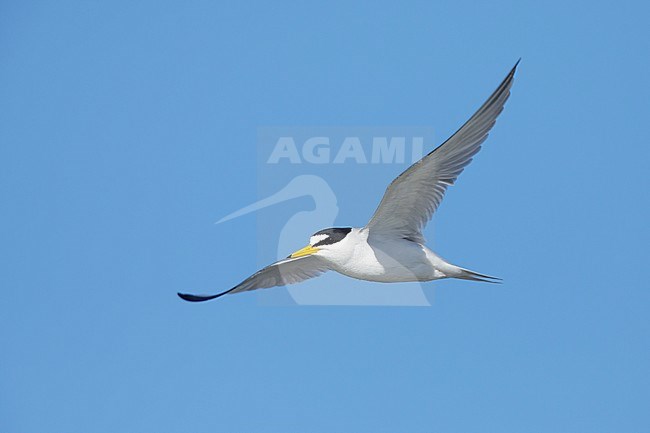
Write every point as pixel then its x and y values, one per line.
pixel 308 250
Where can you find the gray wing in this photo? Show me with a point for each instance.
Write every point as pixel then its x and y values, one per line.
pixel 412 198
pixel 280 273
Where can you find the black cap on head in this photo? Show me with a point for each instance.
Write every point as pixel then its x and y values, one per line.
pixel 331 236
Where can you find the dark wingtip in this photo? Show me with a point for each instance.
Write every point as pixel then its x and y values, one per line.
pixel 201 298
pixel 196 298
pixel 514 68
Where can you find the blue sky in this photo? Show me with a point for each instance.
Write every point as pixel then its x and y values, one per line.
pixel 127 130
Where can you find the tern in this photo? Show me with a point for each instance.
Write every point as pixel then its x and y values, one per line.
pixel 391 247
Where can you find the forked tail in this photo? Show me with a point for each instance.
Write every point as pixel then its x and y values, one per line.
pixel 466 274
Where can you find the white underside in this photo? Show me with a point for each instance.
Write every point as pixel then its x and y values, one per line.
pixel 387 260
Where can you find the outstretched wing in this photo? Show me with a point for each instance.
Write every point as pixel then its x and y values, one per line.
pixel 280 273
pixel 412 198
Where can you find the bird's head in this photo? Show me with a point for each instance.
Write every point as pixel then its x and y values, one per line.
pixel 324 242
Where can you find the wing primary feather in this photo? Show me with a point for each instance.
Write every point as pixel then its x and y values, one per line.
pixel 283 272
pixel 201 298
pixel 412 198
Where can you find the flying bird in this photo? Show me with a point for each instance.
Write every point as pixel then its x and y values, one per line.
pixel 391 247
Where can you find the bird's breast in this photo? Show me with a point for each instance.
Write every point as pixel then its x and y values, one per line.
pixel 398 261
